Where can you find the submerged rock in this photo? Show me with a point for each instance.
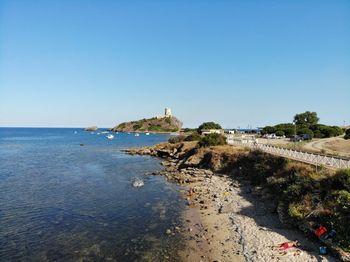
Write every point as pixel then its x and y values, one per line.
pixel 138 183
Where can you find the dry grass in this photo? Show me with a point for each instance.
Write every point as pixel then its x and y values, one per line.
pixel 339 145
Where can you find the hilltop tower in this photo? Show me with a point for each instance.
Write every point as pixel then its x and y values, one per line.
pixel 167 112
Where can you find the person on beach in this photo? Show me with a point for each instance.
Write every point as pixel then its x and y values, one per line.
pixel 287 245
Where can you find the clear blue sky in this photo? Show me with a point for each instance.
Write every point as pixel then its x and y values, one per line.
pixel 239 63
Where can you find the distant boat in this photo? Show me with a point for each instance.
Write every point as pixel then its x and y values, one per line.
pixel 147 134
pixel 75 132
pixel 128 133
pixel 110 136
pixel 98 133
pixel 137 134
pixel 105 132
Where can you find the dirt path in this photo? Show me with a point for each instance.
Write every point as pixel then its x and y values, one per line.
pixel 333 145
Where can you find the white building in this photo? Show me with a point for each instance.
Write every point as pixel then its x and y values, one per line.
pixel 167 112
pixel 212 131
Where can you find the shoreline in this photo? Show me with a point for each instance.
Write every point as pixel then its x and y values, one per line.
pixel 227 219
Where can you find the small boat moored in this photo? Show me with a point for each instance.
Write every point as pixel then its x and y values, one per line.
pixel 110 136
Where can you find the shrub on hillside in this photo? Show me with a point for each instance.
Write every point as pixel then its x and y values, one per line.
pixel 176 139
pixel 347 134
pixel 341 180
pixel 296 211
pixel 168 120
pixel 193 137
pixel 212 140
pixel 136 126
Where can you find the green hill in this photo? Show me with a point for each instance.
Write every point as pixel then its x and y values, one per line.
pixel 157 125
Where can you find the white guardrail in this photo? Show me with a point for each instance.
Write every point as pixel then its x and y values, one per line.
pixel 311 158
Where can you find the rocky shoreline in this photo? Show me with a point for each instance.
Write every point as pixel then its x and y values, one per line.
pixel 226 219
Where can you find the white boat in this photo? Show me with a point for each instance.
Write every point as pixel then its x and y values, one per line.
pixel 137 134
pixel 110 136
pixel 147 134
pixel 105 132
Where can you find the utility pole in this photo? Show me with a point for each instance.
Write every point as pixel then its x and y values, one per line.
pixel 295 128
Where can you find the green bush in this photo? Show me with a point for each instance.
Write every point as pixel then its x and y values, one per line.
pixel 279 133
pixel 295 210
pixel 168 120
pixel 306 131
pixel 186 130
pixel 136 126
pixel 330 131
pixel 208 125
pixel 268 130
pixel 347 134
pixel 341 179
pixel 343 201
pixel 193 137
pixel 121 126
pixel 318 134
pixel 176 139
pixel 212 140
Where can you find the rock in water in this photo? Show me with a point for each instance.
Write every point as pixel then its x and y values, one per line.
pixel 138 183
pixel 91 128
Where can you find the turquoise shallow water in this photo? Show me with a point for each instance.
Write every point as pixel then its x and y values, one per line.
pixel 60 201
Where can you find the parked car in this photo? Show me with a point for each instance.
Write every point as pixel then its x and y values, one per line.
pixel 299 138
pixel 296 138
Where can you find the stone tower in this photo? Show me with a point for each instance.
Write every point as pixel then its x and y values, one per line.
pixel 167 112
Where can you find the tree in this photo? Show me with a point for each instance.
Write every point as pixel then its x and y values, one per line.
pixel 209 125
pixel 268 130
pixel 305 131
pixel 306 119
pixel 279 133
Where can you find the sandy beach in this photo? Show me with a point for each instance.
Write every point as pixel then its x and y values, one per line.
pixel 225 221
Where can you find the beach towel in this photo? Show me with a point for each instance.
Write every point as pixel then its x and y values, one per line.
pixel 320 231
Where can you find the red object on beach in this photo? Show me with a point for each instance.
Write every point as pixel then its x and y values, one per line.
pixel 284 245
pixel 320 231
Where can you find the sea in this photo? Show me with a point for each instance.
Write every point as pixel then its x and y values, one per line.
pixel 67 195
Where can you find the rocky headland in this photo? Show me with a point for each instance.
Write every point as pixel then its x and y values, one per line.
pixel 164 124
pixel 229 218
